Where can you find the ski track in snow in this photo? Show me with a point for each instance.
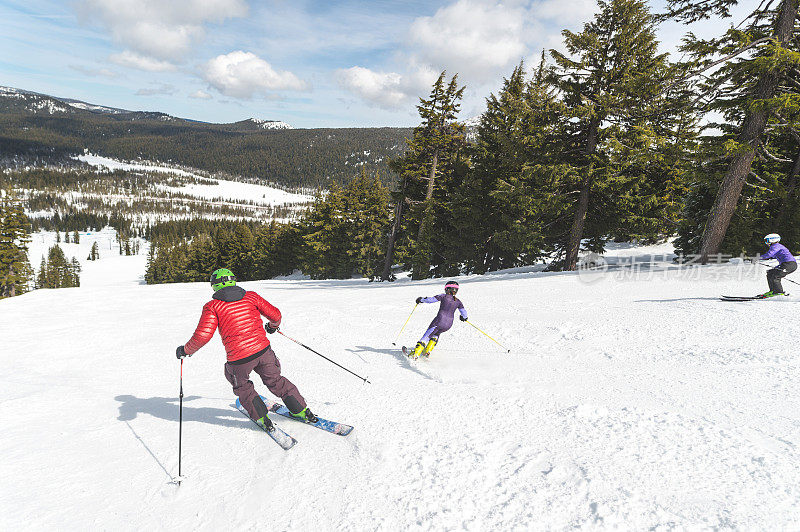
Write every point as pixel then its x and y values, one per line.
pixel 624 404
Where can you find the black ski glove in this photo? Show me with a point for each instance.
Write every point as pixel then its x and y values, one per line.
pixel 181 353
pixel 419 300
pixel 270 329
pixel 462 318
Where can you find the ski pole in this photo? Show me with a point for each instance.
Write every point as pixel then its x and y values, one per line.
pixel 490 338
pixel 180 426
pixel 323 356
pixel 770 267
pixel 404 325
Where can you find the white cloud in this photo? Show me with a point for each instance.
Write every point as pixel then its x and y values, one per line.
pixel 200 94
pixel 141 62
pixel 95 72
pixel 480 40
pixel 568 13
pixel 242 74
pixel 381 88
pixel 161 30
pixel 388 90
pixel 163 89
pixel 476 38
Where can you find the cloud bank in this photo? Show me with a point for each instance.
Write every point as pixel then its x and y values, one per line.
pixel 242 74
pixel 481 40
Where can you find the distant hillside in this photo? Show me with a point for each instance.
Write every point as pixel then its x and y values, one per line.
pixel 37 127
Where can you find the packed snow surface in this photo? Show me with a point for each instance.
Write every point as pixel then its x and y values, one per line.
pixel 632 399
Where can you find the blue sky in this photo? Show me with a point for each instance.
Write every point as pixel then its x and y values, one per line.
pixel 311 64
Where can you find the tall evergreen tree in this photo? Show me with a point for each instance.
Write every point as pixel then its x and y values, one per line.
pixel 57 271
pixel 94 252
pixel 612 81
pixel 512 191
pixel 368 213
pixel 15 270
pixel 755 60
pixel 242 253
pixel 325 237
pixel 433 160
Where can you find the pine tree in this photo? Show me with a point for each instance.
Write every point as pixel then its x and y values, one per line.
pixel 325 237
pixel 202 258
pixel 367 203
pixel 746 88
pixel 76 237
pixel 433 161
pixel 511 193
pixel 57 271
pixel 241 252
pixel 612 82
pixel 15 270
pixel 76 272
pixel 41 278
pixel 94 252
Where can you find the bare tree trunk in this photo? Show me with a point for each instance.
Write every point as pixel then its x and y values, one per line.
pixel 422 262
pixel 387 265
pixel 753 127
pixel 579 220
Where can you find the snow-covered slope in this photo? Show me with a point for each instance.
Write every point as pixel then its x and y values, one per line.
pixel 628 401
pixel 270 124
pixel 111 269
pixel 223 189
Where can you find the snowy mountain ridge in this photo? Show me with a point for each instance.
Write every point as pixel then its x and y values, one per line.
pixel 270 124
pixel 39 102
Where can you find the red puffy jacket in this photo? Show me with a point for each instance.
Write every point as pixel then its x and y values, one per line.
pixel 237 313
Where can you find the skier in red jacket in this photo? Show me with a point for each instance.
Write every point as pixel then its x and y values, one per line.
pixel 237 313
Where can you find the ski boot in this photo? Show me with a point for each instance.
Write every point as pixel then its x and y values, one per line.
pixel 418 350
pixel 261 411
pixel 429 347
pixel 769 294
pixel 306 415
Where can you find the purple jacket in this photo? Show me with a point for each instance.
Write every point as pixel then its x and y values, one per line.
pixel 780 252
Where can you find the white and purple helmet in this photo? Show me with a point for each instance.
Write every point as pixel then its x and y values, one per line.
pixel 451 288
pixel 772 238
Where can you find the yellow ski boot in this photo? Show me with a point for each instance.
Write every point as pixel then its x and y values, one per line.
pixel 418 350
pixel 429 347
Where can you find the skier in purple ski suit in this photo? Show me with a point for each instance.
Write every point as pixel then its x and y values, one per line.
pixel 786 264
pixel 448 303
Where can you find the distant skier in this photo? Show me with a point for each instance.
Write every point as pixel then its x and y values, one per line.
pixel 237 313
pixel 786 264
pixel 448 303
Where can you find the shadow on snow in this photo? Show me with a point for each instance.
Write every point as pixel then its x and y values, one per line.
pixel 396 353
pixel 166 408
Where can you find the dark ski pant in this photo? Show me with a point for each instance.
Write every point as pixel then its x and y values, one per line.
pixel 268 367
pixel 775 275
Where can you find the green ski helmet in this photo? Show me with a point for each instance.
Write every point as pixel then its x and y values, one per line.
pixel 222 278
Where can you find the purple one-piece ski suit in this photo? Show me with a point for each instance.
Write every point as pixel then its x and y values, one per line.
pixel 444 319
pixel 786 264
